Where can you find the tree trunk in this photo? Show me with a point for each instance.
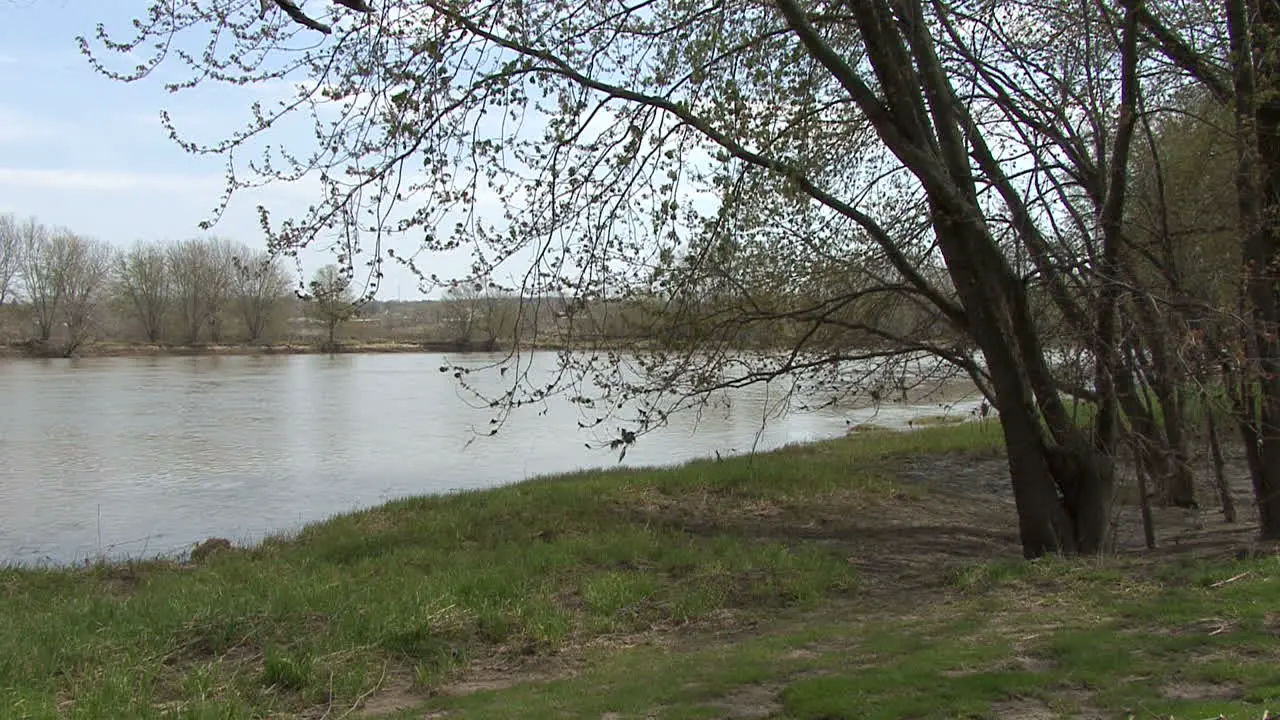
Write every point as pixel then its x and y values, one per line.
pixel 1061 483
pixel 1061 486
pixel 255 322
pixel 1257 76
pixel 1150 446
pixel 1144 498
pixel 193 323
pixel 1176 487
pixel 1219 463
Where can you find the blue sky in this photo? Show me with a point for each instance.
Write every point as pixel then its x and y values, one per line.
pixel 84 152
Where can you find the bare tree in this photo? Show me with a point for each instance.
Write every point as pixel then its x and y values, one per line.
pixel 462 311
pixel 221 282
pixel 331 301
pixel 65 276
pixel 84 274
pixel 10 256
pixel 143 278
pixel 202 272
pixel 261 285
pixel 478 313
pixel 40 280
pixel 498 316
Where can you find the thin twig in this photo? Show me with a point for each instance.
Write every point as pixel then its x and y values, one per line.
pixel 1244 574
pixel 329 709
pixel 361 698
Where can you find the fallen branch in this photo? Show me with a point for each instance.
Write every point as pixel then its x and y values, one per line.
pixel 1229 580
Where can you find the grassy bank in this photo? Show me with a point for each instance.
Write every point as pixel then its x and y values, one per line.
pixel 824 581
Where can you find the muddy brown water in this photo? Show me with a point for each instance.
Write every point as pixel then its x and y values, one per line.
pixel 140 457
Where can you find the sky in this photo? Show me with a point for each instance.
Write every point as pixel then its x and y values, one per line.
pixel 81 151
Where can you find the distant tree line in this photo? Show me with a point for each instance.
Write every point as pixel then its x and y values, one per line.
pixel 60 290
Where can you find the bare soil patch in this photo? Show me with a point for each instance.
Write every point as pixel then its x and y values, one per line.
pixel 1022 710
pixel 750 702
pixel 1201 691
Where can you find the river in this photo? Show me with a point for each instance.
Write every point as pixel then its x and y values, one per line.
pixel 140 457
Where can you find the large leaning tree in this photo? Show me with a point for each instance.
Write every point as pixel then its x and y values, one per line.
pixel 824 191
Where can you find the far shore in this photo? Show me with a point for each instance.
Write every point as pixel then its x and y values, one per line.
pixel 24 350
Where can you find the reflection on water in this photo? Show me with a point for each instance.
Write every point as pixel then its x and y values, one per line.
pixel 145 456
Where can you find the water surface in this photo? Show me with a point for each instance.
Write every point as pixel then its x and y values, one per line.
pixel 132 457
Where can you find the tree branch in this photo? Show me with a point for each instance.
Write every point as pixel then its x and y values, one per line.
pixel 295 13
pixel 1180 53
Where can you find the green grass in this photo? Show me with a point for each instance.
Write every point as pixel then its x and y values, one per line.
pixel 1049 639
pixel 422 586
pixel 932 420
pixel 1194 410
pixel 694 592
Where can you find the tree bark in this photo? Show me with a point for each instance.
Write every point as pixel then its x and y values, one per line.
pixel 1257 76
pixel 1219 463
pixel 1144 499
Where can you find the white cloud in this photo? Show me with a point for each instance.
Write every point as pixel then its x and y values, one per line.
pixel 106 180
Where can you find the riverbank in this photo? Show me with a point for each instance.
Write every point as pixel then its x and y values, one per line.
pixel 23 350
pixel 875 576
pixel 115 349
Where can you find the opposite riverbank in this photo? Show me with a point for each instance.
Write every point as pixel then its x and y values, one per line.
pixel 875 576
pixel 26 350
pixel 109 349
